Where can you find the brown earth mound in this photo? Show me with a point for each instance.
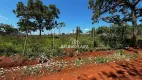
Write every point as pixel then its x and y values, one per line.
pixel 7 62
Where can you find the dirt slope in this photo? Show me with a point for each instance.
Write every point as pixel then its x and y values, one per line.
pixel 126 70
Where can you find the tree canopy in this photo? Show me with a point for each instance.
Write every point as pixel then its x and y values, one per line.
pixel 103 29
pixel 7 29
pixel 119 11
pixel 35 15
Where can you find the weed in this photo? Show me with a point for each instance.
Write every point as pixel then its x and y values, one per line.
pixel 78 62
pixel 101 59
pixel 119 55
pixel 2 72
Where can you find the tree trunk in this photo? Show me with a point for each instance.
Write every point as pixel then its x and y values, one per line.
pixel 53 46
pixel 27 33
pixel 76 33
pixel 59 32
pixel 40 32
pixel 25 44
pixel 93 37
pixel 76 36
pixel 122 37
pixel 134 22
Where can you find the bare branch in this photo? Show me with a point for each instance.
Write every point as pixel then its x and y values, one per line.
pixel 128 4
pixel 124 2
pixel 136 2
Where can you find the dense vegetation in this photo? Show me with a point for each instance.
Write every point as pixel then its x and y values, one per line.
pixel 35 16
pixel 119 12
pixel 113 37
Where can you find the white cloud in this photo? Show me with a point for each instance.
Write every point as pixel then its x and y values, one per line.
pixel 86 29
pixel 2 17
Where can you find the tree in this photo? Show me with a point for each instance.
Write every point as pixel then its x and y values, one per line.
pixel 45 16
pixel 26 26
pixel 24 14
pixel 140 29
pixel 8 29
pixel 93 31
pixel 78 32
pixel 60 25
pixel 35 15
pixel 102 29
pixel 90 33
pixel 128 8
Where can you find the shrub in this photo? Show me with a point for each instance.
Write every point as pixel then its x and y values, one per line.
pixel 139 43
pixel 78 62
pixel 102 48
pixel 119 55
pixel 7 51
pixel 101 60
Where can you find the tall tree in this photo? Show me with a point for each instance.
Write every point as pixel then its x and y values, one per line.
pixel 36 14
pixel 24 14
pixel 45 16
pixel 93 31
pixel 78 31
pixel 128 8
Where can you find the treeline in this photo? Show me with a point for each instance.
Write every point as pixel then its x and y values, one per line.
pixel 117 12
pixel 6 29
pixel 117 36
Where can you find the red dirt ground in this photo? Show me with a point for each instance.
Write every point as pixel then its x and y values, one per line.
pixel 128 70
pixel 87 54
pixel 8 62
pixel 120 70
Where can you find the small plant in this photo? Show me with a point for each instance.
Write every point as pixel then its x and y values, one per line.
pixel 102 48
pixel 32 70
pixel 15 58
pixel 85 61
pixel 52 69
pixel 78 62
pixel 2 72
pixel 61 65
pixel 120 55
pixel 43 58
pixel 101 60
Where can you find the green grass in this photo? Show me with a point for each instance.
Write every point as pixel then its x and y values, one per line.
pixel 101 59
pixel 118 55
pixel 10 45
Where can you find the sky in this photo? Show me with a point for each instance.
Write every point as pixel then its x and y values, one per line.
pixel 73 13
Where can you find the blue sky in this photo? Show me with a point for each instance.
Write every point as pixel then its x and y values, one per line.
pixel 73 13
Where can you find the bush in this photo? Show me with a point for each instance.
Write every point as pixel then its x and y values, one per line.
pixel 101 60
pixel 78 62
pixel 7 51
pixel 139 43
pixel 119 55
